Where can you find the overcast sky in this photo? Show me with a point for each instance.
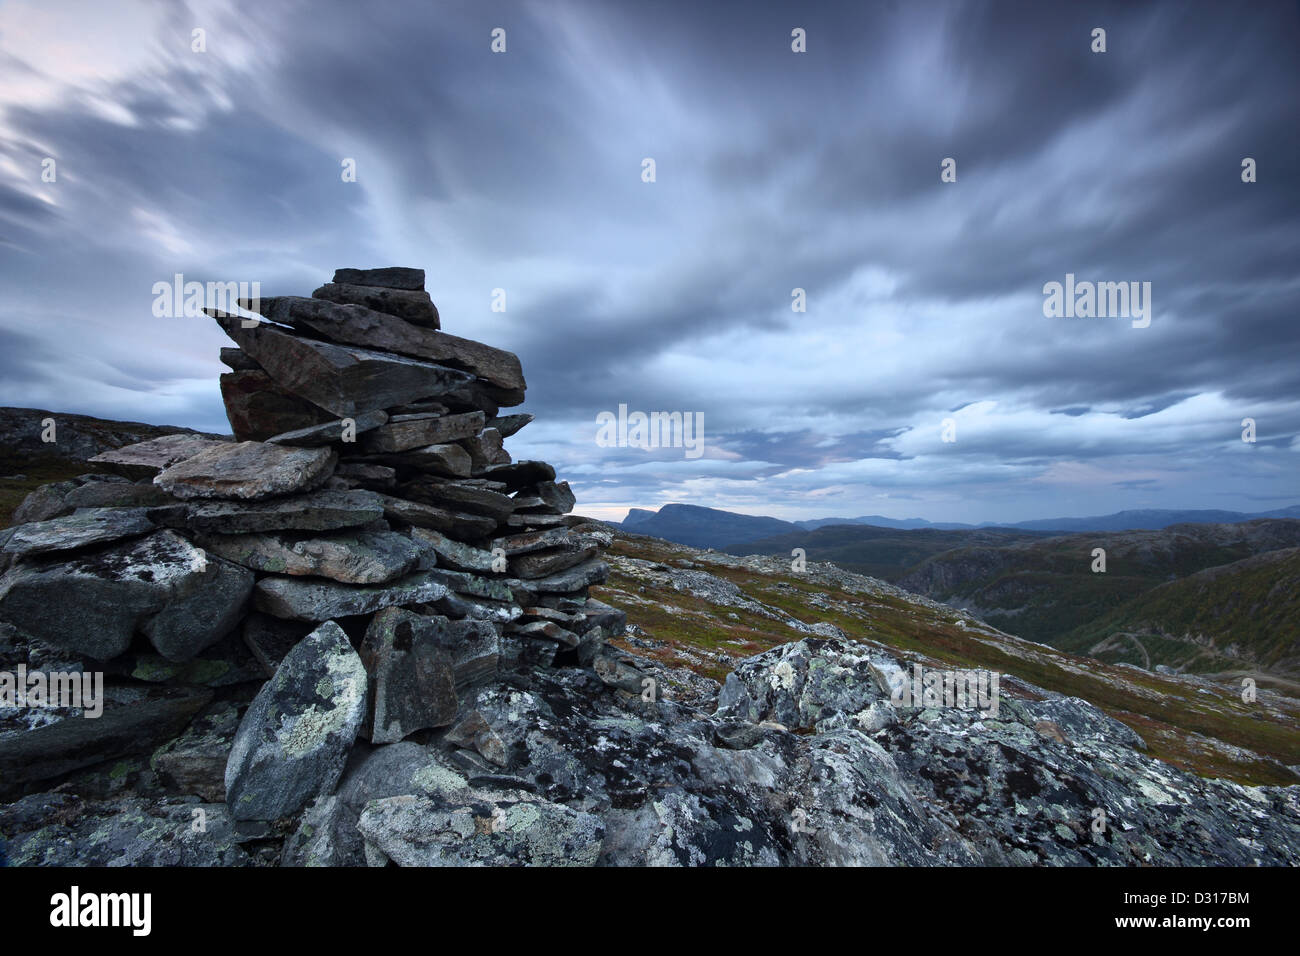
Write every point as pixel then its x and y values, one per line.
pixel 775 170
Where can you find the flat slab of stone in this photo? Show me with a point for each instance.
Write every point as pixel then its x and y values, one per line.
pixel 457 524
pixel 318 511
pixel 449 460
pixel 413 305
pixel 259 409
pixel 180 597
pixel 248 470
pixel 541 564
pixel 390 277
pixel 327 433
pixel 87 527
pixel 459 496
pixel 313 600
pixel 532 541
pixel 592 571
pixel 237 361
pixel 344 379
pixel 417 432
pixel 360 326
pixel 147 458
pixel 361 557
pixel 296 735
pixel 508 425
pixel 454 554
pixel 412 678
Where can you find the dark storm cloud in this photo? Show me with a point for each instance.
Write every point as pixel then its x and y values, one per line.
pixel 776 171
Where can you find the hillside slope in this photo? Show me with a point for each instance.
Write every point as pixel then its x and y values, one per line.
pixel 1244 615
pixel 701 614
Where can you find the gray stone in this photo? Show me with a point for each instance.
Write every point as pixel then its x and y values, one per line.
pixel 312 600
pixel 162 585
pixel 388 277
pixel 294 739
pixel 355 325
pixel 318 511
pixel 257 408
pixel 195 762
pixel 520 474
pixel 454 523
pixel 414 306
pixel 450 460
pixel 541 564
pixel 248 470
pixel 359 557
pixel 547 629
pixel 344 379
pixel 237 361
pixel 134 719
pixel 485 450
pixel 592 571
pixel 117 494
pixel 556 494
pixel 453 554
pixel 419 432
pixel 508 425
pixel 412 679
pixel 90 526
pixel 270 639
pixel 459 496
pixel 327 433
pixel 531 541
pixel 147 458
pixel 509 831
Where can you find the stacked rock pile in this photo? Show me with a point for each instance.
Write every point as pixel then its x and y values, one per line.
pixel 365 550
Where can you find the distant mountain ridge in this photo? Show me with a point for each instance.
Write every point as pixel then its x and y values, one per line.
pixel 702 527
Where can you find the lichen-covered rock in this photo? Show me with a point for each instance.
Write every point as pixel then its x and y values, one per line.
pixel 162 585
pixel 294 739
pixel 490 829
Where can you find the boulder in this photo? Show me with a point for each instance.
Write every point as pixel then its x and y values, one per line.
pixel 296 735
pixel 183 599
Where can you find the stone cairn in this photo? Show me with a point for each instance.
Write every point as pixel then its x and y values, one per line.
pixel 365 551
